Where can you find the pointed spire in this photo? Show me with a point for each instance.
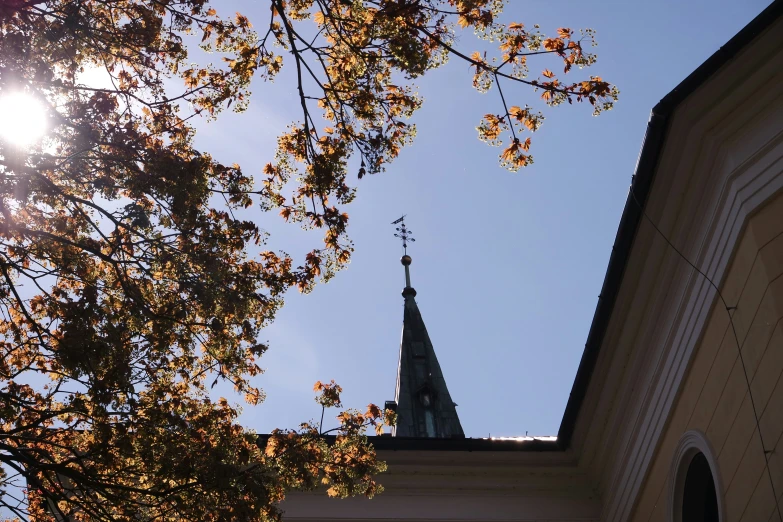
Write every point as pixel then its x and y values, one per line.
pixel 424 405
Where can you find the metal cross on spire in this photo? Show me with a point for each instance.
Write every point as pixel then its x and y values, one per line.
pixel 403 233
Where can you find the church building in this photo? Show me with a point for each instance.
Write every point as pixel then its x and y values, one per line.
pixel 676 411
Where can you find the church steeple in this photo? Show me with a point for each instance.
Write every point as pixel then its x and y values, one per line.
pixel 424 405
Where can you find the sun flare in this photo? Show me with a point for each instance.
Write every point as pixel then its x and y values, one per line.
pixel 22 119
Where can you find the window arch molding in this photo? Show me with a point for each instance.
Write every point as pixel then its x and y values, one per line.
pixel 691 444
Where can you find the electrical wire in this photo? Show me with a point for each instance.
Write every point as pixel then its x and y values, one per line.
pixel 736 339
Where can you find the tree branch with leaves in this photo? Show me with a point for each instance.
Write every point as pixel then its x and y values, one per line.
pixel 135 272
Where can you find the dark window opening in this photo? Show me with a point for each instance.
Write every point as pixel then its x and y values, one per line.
pixel 699 499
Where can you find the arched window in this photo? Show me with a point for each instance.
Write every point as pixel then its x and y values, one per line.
pixel 694 484
pixel 699 499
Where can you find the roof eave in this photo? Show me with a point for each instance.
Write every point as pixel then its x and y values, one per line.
pixel 387 443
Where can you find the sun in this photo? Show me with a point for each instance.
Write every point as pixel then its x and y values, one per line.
pixel 23 119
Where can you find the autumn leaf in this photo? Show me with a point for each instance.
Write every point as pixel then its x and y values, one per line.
pixel 564 32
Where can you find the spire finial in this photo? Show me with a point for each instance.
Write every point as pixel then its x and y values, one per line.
pixel 405 235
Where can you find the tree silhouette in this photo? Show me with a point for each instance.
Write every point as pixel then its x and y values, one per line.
pixel 127 283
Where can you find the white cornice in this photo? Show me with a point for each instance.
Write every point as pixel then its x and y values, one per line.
pixel 487 486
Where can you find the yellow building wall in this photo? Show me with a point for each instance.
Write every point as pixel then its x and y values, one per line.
pixel 714 397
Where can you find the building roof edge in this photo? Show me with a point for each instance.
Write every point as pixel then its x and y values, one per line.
pixel 386 443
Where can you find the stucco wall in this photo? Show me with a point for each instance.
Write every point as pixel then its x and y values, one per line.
pixel 714 397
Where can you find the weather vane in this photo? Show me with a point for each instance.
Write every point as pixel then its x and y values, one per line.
pixel 403 233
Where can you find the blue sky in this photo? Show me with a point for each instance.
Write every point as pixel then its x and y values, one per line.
pixel 507 266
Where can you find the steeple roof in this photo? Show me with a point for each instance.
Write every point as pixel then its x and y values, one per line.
pixel 424 405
